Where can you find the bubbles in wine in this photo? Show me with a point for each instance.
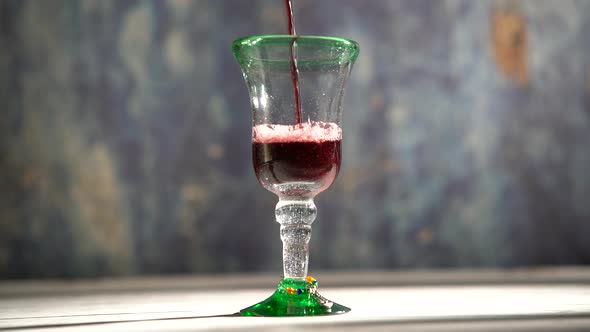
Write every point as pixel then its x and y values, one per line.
pixel 306 132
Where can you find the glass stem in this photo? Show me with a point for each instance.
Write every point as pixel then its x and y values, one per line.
pixel 295 216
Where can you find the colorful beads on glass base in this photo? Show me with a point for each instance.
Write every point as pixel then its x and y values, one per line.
pixel 295 297
pixel 298 291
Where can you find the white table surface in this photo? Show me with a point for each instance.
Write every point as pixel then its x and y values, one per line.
pixel 550 301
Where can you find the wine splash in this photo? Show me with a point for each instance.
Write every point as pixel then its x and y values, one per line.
pixel 305 153
pixel 294 69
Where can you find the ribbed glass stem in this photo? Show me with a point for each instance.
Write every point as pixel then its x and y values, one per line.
pixel 295 217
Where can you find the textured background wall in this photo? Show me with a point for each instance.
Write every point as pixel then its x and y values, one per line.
pixel 124 133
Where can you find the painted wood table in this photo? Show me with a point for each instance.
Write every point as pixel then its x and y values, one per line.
pixel 516 300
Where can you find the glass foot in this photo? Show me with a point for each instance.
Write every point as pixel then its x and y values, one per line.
pixel 295 297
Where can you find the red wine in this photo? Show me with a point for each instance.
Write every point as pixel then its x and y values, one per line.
pixel 290 24
pixel 294 69
pixel 304 153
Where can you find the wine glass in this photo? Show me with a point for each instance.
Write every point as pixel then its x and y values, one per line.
pixel 295 150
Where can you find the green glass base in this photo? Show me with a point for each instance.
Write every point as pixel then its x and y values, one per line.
pixel 295 297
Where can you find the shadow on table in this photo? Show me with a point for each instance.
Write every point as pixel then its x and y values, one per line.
pixel 63 325
pixel 517 323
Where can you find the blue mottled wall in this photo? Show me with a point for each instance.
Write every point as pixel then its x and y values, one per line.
pixel 124 135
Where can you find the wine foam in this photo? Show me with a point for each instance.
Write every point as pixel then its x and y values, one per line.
pixel 316 131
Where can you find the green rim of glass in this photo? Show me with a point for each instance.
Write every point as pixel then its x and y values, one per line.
pixel 349 48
